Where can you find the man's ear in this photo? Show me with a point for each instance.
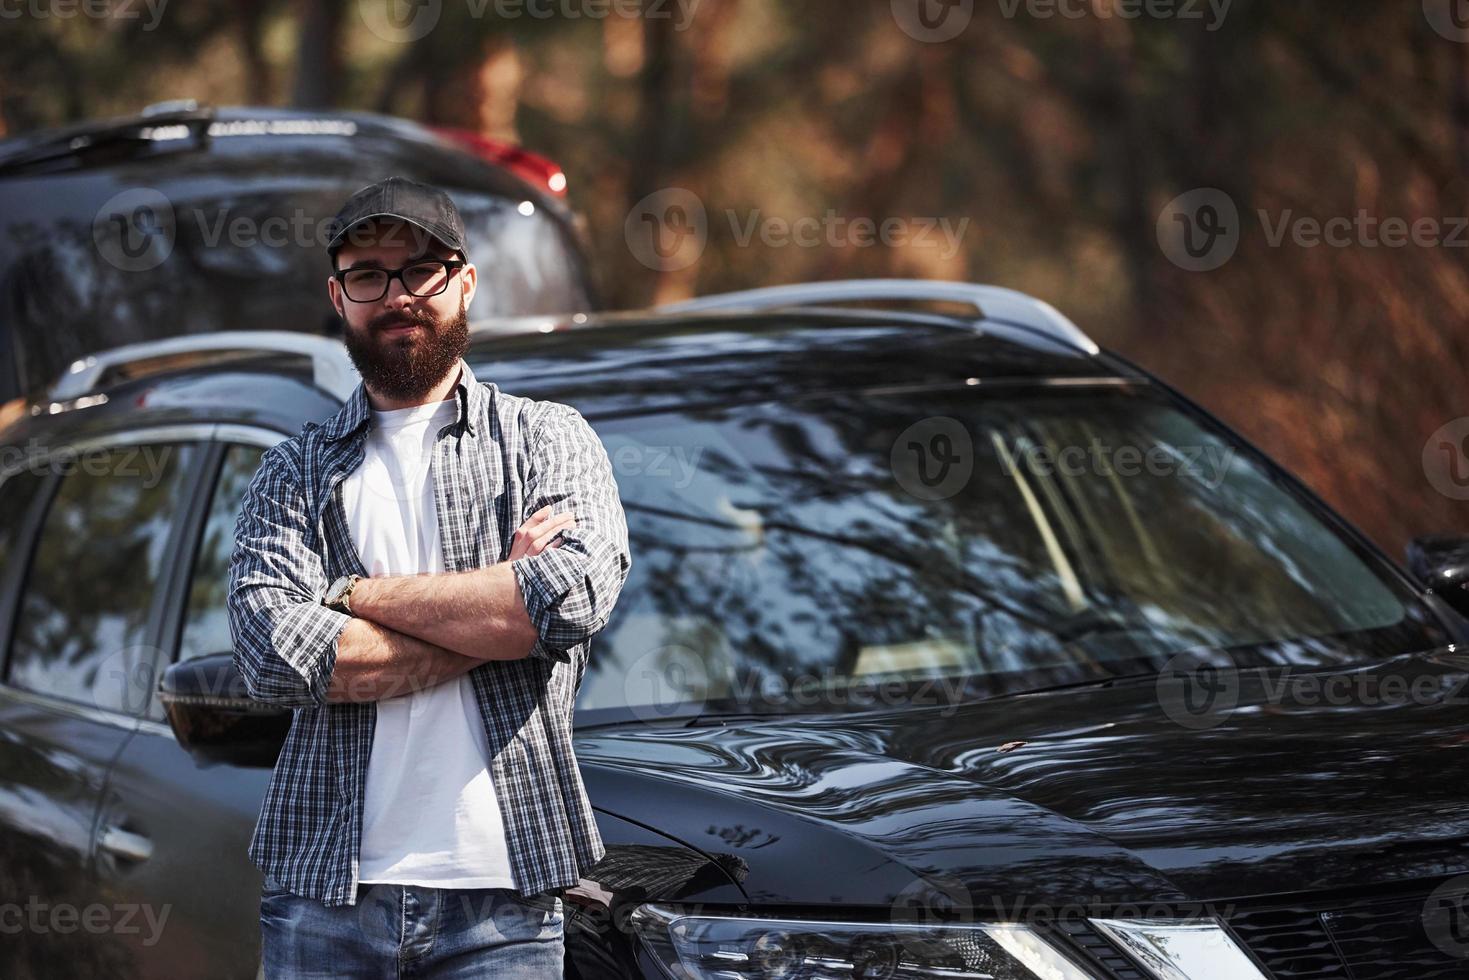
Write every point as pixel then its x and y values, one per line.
pixel 470 277
pixel 334 292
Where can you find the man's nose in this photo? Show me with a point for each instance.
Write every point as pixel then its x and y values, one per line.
pixel 397 297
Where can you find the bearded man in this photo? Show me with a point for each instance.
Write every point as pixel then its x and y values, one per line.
pixel 419 578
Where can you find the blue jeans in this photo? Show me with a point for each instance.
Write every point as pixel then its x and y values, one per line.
pixel 409 931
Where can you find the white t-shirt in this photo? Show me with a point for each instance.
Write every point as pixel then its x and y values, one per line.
pixel 430 815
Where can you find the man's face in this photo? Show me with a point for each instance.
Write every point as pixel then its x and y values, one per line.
pixel 403 345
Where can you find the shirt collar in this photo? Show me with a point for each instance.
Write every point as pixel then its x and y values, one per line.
pixel 357 412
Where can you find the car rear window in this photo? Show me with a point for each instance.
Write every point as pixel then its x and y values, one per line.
pixel 94 259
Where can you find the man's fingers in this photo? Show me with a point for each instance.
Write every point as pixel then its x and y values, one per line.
pixel 550 529
pixel 533 527
pixel 543 536
pixel 535 535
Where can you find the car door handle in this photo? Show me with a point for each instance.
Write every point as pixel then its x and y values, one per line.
pixel 126 844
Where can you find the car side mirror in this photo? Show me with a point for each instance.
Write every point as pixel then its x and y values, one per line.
pixel 215 719
pixel 1440 562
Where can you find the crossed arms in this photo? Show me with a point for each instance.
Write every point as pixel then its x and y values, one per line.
pixel 413 631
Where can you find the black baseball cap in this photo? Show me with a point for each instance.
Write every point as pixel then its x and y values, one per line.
pixel 418 204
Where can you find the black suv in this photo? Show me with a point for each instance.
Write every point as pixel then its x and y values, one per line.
pixel 186 219
pixel 953 647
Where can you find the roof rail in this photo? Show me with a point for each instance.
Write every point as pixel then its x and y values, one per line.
pixel 993 302
pixel 68 141
pixel 331 368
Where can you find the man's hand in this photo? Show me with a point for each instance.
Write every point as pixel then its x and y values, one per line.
pixel 538 532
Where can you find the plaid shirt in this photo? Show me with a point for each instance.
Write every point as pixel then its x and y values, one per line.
pixel 504 458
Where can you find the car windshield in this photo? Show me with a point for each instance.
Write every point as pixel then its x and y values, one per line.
pixel 960 544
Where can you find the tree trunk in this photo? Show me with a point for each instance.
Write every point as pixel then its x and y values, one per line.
pixel 319 59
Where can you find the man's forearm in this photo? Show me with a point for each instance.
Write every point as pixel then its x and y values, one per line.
pixel 479 614
pixel 375 663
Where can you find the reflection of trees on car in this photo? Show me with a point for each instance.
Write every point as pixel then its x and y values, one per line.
pixel 786 561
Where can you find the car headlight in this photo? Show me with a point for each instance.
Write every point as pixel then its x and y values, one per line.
pixel 713 947
pixel 1175 949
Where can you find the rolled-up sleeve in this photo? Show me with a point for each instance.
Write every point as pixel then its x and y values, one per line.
pixel 569 590
pixel 285 640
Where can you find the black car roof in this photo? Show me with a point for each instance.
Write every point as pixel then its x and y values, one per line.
pixel 606 364
pixel 635 363
pixel 243 134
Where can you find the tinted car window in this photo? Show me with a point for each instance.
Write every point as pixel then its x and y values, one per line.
pixel 84 267
pixel 81 624
pixel 206 621
pixel 16 495
pixel 792 555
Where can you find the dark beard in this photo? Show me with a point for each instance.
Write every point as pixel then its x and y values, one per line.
pixel 408 368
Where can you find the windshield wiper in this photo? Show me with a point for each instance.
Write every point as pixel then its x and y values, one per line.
pixel 1076 685
pixel 705 717
pixel 121 140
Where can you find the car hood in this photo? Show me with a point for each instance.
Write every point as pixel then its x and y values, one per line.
pixel 1338 778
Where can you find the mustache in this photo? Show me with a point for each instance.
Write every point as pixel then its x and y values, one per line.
pixel 421 317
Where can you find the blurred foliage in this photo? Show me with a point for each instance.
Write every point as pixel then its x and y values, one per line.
pixel 1060 139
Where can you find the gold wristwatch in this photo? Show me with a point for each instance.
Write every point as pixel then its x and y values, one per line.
pixel 340 592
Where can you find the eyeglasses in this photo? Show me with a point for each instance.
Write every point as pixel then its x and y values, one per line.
pixel 428 277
